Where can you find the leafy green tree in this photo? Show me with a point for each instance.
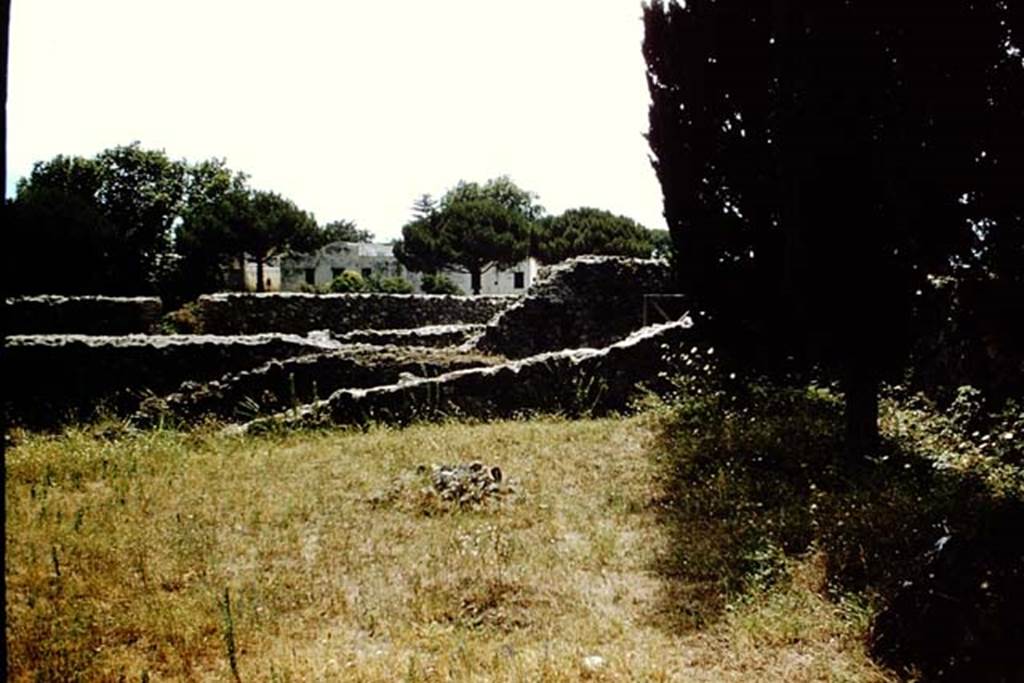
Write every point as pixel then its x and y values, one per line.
pixel 818 159
pixel 141 193
pixel 500 190
pixel 55 214
pixel 424 206
pixel 590 231
pixel 205 241
pixel 106 222
pixel 473 228
pixel 344 231
pixel 471 235
pixel 268 224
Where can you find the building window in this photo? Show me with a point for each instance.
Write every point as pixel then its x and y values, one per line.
pixel 310 276
pixel 519 280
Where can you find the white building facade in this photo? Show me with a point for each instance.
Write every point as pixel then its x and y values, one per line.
pixel 316 270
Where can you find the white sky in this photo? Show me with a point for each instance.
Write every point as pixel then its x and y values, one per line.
pixel 351 108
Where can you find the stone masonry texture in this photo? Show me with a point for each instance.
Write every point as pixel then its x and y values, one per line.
pixel 101 315
pixel 299 313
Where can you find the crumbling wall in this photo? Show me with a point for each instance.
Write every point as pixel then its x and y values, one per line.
pixel 436 336
pixel 281 384
pixel 298 313
pixel 100 315
pixel 590 301
pixel 572 382
pixel 53 379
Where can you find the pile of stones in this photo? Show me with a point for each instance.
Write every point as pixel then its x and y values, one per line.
pixel 468 484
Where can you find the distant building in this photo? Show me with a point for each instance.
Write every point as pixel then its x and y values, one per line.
pixel 319 268
pixel 238 279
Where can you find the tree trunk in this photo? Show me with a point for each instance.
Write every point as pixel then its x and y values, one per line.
pixel 861 388
pixel 475 279
pixel 259 275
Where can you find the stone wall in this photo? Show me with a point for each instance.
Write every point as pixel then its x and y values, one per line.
pixel 590 301
pixel 298 313
pixel 281 384
pixel 52 379
pixel 571 382
pixel 101 315
pixel 436 336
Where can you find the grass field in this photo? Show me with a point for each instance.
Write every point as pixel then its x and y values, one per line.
pixel 319 556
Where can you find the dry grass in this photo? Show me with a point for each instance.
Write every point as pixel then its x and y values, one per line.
pixel 119 552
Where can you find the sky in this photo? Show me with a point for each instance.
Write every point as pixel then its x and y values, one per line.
pixel 351 108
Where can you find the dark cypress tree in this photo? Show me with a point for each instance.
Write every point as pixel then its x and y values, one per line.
pixel 819 158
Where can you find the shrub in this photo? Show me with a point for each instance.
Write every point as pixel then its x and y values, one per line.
pixel 182 321
pixel 389 285
pixel 439 284
pixel 349 282
pixel 756 469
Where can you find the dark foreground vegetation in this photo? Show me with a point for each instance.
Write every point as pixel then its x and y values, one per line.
pixel 927 531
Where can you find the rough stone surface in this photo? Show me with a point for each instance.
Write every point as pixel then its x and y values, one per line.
pixel 590 301
pixel 437 336
pixel 298 313
pixel 280 384
pixel 49 379
pixel 573 382
pixel 99 315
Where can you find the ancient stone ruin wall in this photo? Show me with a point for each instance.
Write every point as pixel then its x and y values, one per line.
pixel 570 381
pixel 281 384
pixel 81 315
pixel 298 313
pixel 50 379
pixel 590 301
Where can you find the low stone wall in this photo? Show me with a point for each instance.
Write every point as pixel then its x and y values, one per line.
pixel 53 379
pixel 298 313
pixel 100 315
pixel 571 382
pixel 436 336
pixel 590 301
pixel 280 384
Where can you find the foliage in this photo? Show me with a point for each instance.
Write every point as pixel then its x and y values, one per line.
pixel 206 238
pixel 349 282
pixel 439 284
pixel 389 285
pixel 185 320
pixel 819 160
pixel 103 223
pixel 590 231
pixel 500 190
pixel 661 241
pixel 757 477
pixel 344 231
pixel 473 228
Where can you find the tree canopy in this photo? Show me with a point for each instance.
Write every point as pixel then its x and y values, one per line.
pixel 472 228
pixel 344 231
pixel 132 221
pixel 590 231
pixel 98 225
pixel 818 159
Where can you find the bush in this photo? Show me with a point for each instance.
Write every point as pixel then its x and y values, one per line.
pixel 389 285
pixel 182 321
pixel 439 284
pixel 756 469
pixel 349 282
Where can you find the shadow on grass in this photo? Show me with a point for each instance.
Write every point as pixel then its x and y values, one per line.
pixel 755 476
